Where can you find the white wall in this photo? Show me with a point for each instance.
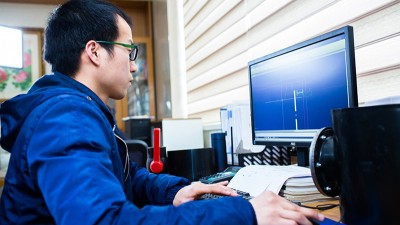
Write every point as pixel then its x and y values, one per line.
pixel 26 16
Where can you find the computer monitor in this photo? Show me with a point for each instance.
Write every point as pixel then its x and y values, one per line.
pixel 293 91
pixel 11 47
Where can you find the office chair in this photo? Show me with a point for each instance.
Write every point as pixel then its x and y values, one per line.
pixel 137 150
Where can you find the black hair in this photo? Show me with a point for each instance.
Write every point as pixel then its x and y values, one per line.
pixel 75 23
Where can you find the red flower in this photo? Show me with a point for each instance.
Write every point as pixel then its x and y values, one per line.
pixel 27 59
pixel 21 76
pixel 3 75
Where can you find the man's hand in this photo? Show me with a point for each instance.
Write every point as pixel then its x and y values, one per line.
pixel 197 189
pixel 273 209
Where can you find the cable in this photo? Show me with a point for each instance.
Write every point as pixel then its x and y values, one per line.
pixel 320 207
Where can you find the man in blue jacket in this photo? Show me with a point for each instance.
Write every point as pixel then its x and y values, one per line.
pixel 68 166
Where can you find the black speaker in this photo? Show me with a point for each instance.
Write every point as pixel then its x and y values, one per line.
pixel 218 143
pixel 192 163
pixel 359 160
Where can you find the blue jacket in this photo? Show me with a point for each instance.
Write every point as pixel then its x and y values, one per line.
pixel 67 166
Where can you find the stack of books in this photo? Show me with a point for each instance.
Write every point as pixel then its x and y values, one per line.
pixel 302 189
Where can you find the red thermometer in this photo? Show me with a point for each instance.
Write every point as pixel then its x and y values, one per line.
pixel 156 166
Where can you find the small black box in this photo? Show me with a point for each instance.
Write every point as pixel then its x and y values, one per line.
pixel 192 163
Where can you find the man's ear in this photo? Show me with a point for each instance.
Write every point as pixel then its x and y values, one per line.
pixel 92 51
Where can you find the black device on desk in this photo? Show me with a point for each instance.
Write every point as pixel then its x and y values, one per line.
pixel 227 174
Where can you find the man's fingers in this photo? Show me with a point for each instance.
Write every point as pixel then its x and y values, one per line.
pixel 225 182
pixel 217 188
pixel 295 216
pixel 309 213
pixel 312 214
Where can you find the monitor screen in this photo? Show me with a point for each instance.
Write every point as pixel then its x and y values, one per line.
pixel 293 91
pixel 11 47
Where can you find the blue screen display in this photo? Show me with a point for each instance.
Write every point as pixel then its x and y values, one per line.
pixel 295 91
pixel 300 93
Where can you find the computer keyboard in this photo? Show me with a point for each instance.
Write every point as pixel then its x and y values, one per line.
pixel 242 194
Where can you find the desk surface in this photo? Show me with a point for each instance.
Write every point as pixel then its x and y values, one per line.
pixel 333 213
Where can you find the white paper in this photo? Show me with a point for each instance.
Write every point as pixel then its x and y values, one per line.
pixel 255 179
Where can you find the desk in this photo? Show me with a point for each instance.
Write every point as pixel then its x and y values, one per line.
pixel 333 213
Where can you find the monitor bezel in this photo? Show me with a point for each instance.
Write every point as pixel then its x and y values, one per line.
pixel 347 31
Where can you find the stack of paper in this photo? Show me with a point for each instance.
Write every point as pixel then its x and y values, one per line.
pixel 301 189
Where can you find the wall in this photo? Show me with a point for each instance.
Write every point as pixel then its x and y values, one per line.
pixel 222 36
pixel 161 59
pixel 25 15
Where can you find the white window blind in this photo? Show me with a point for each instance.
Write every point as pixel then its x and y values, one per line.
pixel 222 36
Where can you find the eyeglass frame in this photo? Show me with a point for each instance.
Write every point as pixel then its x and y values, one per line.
pixel 134 48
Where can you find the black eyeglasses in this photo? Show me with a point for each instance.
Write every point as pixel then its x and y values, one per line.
pixel 133 47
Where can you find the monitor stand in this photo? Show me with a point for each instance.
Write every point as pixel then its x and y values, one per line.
pixel 303 156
